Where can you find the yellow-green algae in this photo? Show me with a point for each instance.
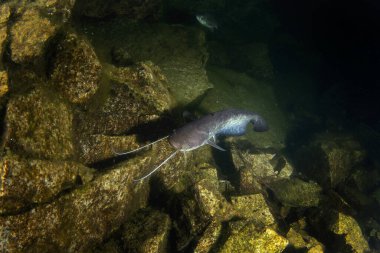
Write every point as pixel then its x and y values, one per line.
pixel 247 238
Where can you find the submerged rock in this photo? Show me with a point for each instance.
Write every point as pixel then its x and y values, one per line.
pixel 294 192
pixel 147 232
pixel 40 125
pixel 81 219
pixel 209 238
pixel 5 12
pixel 76 69
pixel 340 228
pixel 137 97
pixel 30 35
pixel 4 86
pixel 329 160
pixel 179 51
pixel 256 166
pixel 247 237
pixel 254 208
pixel 300 240
pixel 25 183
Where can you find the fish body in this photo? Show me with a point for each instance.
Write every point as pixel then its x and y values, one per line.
pixel 208 21
pixel 205 129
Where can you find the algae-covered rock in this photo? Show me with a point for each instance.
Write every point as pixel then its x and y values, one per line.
pixel 30 35
pixel 82 219
pixel 147 232
pixel 28 182
pixel 329 159
pixel 40 125
pixel 5 12
pixel 209 238
pixel 4 86
pixel 246 237
pixel 300 240
pixel 146 81
pixel 255 165
pixel 294 192
pixel 340 228
pixel 348 227
pixel 179 51
pixel 211 202
pixel 253 207
pixel 137 96
pixel 76 69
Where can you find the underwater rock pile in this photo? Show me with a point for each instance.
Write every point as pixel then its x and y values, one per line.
pixel 63 190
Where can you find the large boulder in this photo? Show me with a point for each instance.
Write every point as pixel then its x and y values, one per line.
pixel 136 97
pixel 29 182
pixel 76 69
pixel 330 159
pixel 40 125
pixel 81 219
pixel 179 51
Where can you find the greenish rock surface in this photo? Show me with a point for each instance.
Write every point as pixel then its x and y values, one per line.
pixel 341 228
pixel 40 125
pixel 179 51
pixel 4 85
pixel 5 12
pixel 255 166
pixel 247 237
pixel 30 35
pixel 253 207
pixel 137 95
pixel 330 159
pixel 82 218
pixel 294 192
pixel 300 240
pixel 181 54
pixel 348 227
pixel 27 182
pixel 76 69
pixel 209 238
pixel 147 232
pixel 238 90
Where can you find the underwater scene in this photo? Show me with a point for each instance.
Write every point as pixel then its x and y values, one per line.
pixel 164 126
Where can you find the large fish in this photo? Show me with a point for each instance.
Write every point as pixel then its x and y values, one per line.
pixel 205 130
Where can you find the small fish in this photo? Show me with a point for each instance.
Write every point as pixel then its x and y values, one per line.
pixel 208 21
pixel 205 130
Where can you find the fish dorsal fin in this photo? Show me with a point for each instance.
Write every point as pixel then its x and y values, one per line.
pixel 213 144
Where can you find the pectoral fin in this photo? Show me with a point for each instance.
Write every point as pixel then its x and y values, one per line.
pixel 213 144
